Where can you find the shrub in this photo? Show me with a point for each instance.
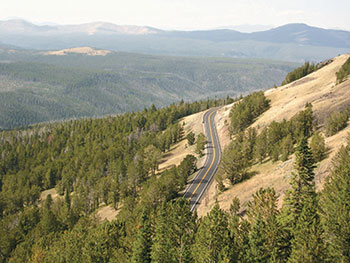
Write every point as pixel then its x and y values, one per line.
pixel 191 138
pixel 318 147
pixel 336 122
pixel 300 72
pixel 344 71
pixel 244 112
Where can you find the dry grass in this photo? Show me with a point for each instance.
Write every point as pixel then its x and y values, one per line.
pixel 179 151
pixel 222 124
pixel 79 50
pixel 103 213
pixel 321 90
pixel 107 213
pixel 51 192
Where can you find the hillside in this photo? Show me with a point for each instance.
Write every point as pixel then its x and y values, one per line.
pixel 291 42
pixel 61 175
pixel 58 180
pixel 39 86
pixel 319 88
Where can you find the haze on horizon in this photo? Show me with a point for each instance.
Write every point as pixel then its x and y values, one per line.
pixel 183 14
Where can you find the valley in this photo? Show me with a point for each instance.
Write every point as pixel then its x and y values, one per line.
pixel 122 143
pixel 117 182
pixel 41 86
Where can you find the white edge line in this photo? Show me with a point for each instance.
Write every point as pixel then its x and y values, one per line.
pixel 206 186
pixel 206 161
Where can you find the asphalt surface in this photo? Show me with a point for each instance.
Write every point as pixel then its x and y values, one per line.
pixel 197 187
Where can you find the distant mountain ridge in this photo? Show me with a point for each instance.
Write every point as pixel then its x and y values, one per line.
pixel 290 33
pixel 18 26
pixel 291 42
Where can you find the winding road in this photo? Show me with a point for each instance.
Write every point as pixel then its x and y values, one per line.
pixel 197 187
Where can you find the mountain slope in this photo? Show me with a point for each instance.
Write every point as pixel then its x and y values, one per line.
pixel 304 35
pixel 18 26
pixel 37 86
pixel 318 88
pixel 292 42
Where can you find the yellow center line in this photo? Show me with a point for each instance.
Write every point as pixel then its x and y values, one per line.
pixel 212 139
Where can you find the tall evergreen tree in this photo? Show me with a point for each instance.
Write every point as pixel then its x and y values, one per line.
pixel 318 147
pixel 234 163
pixel 299 212
pixel 174 233
pixel 261 146
pixel 267 238
pixel 212 238
pixel 200 144
pixel 257 250
pixel 301 184
pixel 143 242
pixel 48 222
pixel 308 245
pixel 335 207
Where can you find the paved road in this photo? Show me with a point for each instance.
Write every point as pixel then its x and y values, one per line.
pixel 203 179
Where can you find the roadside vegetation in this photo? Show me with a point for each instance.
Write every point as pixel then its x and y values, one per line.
pixel 274 142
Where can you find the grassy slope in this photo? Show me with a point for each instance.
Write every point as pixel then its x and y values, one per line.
pixel 35 87
pixel 321 90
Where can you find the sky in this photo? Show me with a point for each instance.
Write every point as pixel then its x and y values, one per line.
pixel 182 14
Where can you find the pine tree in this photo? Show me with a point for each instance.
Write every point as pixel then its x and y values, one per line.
pixel 143 242
pixel 234 162
pixel 67 199
pixel 239 229
pixel 257 242
pixel 286 147
pixel 190 138
pixel 318 147
pixel 267 237
pixel 335 204
pixel 301 183
pixel 212 238
pixel 261 146
pixel 308 245
pixel 48 221
pixel 174 233
pixel 160 247
pixel 299 212
pixel 200 145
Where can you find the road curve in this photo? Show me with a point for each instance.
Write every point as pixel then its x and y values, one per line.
pixel 197 187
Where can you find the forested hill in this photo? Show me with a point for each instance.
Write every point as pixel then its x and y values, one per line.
pixel 114 161
pixel 110 161
pixel 38 86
